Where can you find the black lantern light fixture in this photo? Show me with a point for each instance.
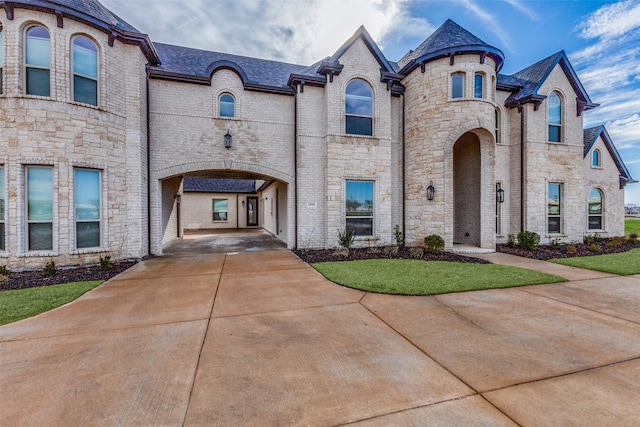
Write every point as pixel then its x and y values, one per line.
pixel 431 191
pixel 500 195
pixel 177 197
pixel 227 140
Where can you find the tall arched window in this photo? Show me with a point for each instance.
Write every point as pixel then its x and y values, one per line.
pixel 37 61
pixel 595 158
pixel 595 209
pixel 457 85
pixel 227 105
pixel 554 117
pixel 1 56
pixel 359 108
pixel 497 125
pixel 478 85
pixel 85 70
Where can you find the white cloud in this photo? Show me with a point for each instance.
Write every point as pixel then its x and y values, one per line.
pixel 612 20
pixel 522 8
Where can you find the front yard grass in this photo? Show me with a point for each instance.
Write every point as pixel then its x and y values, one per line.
pixel 416 277
pixel 624 263
pixel 19 304
pixel 631 225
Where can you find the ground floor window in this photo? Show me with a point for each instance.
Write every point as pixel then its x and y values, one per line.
pixel 2 196
pixel 87 208
pixel 39 181
pixel 554 208
pixel 220 208
pixel 359 207
pixel 595 209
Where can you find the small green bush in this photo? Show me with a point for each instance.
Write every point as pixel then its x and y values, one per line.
pixel 390 251
pixel 105 263
pixel 346 238
pixel 50 269
pixel 4 271
pixel 633 236
pixel 529 240
pixel 511 241
pixel 594 247
pixel 571 249
pixel 398 236
pixel 591 238
pixel 416 252
pixel 434 244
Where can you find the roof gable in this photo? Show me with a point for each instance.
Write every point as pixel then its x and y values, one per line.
pixel 362 34
pixel 591 135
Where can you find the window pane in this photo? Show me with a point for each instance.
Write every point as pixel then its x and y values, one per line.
pixel 38 52
pixel 38 82
pixel 595 160
pixel 85 90
pixel 1 47
pixel 220 209
pixel 457 85
pixel 2 237
pixel 227 106
pixel 360 226
pixel 477 89
pixel 40 194
pixel 359 125
pixel 595 202
pixel 554 133
pixel 2 196
pixel 554 199
pixel 359 99
pixel 85 57
pixel 220 216
pixel 555 109
pixel 87 194
pixel 359 198
pixel 87 235
pixel 40 237
pixel 554 224
pixel 595 223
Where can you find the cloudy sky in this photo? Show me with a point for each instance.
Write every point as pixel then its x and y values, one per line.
pixel 601 38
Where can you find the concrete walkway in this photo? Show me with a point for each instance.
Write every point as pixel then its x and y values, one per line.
pixel 260 338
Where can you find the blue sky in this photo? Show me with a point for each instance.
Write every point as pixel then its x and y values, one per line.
pixel 601 39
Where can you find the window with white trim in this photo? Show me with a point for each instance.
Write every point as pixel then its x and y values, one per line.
pixel 227 105
pixel 554 208
pixel 359 108
pixel 85 70
pixel 37 61
pixel 595 209
pixel 554 116
pixel 359 207
pixel 87 202
pixel 39 182
pixel 457 85
pixel 220 210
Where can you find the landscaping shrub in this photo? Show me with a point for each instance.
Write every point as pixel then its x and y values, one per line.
pixel 633 236
pixel 529 240
pixel 434 244
pixel 511 241
pixel 346 238
pixel 397 234
pixel 571 249
pixel 416 253
pixel 105 263
pixel 590 239
pixel 390 251
pixel 4 271
pixel 594 247
pixel 50 269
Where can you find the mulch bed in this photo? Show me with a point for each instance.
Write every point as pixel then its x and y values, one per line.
pixel 547 252
pixel 311 256
pixel 36 278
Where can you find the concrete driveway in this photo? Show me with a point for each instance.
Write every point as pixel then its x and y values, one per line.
pixel 260 338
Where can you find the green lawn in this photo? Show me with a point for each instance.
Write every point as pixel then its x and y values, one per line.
pixel 22 303
pixel 415 277
pixel 624 263
pixel 631 225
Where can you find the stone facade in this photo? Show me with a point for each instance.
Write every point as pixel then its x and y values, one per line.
pixel 158 120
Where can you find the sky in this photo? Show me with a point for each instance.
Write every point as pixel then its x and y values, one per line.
pixel 601 39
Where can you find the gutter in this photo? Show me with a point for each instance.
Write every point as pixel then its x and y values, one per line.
pixel 149 168
pixel 404 183
pixel 295 165
pixel 521 108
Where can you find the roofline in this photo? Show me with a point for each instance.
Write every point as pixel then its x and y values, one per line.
pixel 617 159
pixel 492 52
pixel 362 33
pixel 61 11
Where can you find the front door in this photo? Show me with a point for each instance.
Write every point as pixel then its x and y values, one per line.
pixel 252 211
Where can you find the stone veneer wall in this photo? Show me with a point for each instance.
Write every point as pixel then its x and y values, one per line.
pixel 57 132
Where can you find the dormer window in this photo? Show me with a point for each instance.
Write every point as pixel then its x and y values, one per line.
pixel 554 114
pixel 85 70
pixel 37 61
pixel 359 108
pixel 457 85
pixel 227 105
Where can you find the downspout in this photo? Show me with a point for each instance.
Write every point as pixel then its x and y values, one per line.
pixel 149 168
pixel 521 108
pixel 404 183
pixel 295 164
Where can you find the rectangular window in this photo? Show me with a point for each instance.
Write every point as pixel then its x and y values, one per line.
pixel 477 86
pixel 2 209
pixel 554 208
pixel 498 210
pixel 1 55
pixel 457 85
pixel 39 208
pixel 359 207
pixel 220 207
pixel 87 208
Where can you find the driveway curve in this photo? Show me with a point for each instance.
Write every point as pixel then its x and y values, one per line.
pixel 260 338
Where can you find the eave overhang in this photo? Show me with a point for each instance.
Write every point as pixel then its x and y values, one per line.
pixel 481 50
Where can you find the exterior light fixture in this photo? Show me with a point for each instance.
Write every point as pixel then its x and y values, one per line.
pixel 227 140
pixel 430 191
pixel 500 195
pixel 177 197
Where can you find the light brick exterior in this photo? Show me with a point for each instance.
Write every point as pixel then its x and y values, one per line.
pixel 281 137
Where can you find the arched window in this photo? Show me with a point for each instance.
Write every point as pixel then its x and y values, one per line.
pixel 37 61
pixel 85 70
pixel 497 125
pixel 478 84
pixel 1 56
pixel 457 85
pixel 227 105
pixel 359 108
pixel 595 158
pixel 554 117
pixel 595 209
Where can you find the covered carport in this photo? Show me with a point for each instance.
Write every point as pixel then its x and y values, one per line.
pixel 224 240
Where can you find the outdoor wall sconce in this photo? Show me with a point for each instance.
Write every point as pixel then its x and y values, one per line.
pixel 243 203
pixel 227 140
pixel 177 197
pixel 430 191
pixel 500 195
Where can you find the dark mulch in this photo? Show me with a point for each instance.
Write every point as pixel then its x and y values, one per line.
pixel 311 256
pixel 32 279
pixel 547 252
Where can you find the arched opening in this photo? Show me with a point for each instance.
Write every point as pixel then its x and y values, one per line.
pixel 467 191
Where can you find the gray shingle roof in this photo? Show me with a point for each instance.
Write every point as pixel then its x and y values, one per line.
pixel 219 185
pixel 591 135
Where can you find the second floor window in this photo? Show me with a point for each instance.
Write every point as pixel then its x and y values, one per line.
pixel 555 117
pixel 85 71
pixel 478 83
pixel 359 108
pixel 457 85
pixel 37 62
pixel 227 106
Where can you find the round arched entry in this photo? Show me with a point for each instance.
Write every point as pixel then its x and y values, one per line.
pixel 467 190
